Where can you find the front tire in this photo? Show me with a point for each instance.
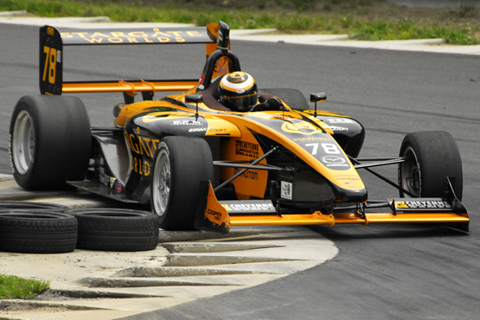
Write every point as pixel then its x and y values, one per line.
pixel 432 156
pixel 180 164
pixel 50 141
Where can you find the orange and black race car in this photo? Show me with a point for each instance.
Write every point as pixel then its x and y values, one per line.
pixel 222 152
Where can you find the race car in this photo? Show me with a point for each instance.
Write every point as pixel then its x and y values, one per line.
pixel 206 159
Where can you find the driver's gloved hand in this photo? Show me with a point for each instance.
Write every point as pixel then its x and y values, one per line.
pixel 273 103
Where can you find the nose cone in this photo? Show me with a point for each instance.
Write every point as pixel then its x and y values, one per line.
pixel 351 196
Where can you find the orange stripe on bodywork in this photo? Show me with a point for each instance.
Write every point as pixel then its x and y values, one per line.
pixel 349 218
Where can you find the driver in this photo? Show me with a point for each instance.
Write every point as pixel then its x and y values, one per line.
pixel 238 91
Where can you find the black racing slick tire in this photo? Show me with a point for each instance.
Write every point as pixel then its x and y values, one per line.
pixel 180 164
pixel 50 141
pixel 292 97
pixel 432 156
pixel 115 229
pixel 37 231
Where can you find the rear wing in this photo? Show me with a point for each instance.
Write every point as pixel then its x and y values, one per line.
pixel 52 41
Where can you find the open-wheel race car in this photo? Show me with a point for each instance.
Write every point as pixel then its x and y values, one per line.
pixel 222 152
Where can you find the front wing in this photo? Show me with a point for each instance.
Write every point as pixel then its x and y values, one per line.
pixel 219 216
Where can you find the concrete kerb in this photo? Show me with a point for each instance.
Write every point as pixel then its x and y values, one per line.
pixel 184 267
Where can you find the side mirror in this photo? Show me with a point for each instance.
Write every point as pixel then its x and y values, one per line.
pixel 318 97
pixel 193 98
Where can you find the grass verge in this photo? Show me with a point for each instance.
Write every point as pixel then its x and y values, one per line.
pixel 290 16
pixel 13 287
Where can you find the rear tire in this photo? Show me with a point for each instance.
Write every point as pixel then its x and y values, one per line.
pixel 50 141
pixel 433 156
pixel 180 164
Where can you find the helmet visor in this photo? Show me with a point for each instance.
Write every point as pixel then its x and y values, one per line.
pixel 241 103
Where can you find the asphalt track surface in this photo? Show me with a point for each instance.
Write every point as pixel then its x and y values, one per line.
pixel 381 272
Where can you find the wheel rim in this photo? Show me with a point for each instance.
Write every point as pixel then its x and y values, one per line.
pixel 411 175
pixel 23 142
pixel 161 182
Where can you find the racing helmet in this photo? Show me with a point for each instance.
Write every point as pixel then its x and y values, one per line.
pixel 238 91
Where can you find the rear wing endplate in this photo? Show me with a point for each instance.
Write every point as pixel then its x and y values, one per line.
pixel 52 41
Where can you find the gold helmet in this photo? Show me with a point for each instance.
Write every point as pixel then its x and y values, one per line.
pixel 238 91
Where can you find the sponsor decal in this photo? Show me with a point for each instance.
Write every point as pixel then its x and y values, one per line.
pixel 217 130
pixel 338 129
pixel 338 120
pixel 221 67
pixel 115 184
pixel 249 207
pixel 112 182
pixel 252 175
pixel 153 35
pixel 197 130
pixel 334 161
pixel 347 177
pixel 308 139
pixel 186 123
pixel 216 215
pixel 247 149
pixel 141 166
pixel 118 187
pixel 300 128
pixel 286 190
pixel 142 145
pixel 423 204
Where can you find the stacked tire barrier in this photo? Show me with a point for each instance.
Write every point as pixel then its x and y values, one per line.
pixel 29 227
